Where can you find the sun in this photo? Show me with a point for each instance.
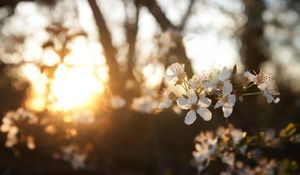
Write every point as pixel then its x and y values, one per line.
pixel 77 82
pixel 74 87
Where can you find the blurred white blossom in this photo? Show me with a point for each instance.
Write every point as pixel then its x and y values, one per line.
pixel 72 154
pixel 10 126
pixel 84 116
pixel 144 104
pixel 166 42
pixel 117 102
pixel 205 147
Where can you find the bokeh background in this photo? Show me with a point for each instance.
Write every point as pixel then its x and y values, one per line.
pixel 92 72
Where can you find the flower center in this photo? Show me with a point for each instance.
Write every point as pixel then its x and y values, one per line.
pixel 225 99
pixel 181 75
pixel 194 106
pixel 172 96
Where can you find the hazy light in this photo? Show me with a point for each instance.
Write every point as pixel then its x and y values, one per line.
pixel 73 87
pixel 77 82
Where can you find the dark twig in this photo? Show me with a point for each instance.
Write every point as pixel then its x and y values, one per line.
pixel 109 50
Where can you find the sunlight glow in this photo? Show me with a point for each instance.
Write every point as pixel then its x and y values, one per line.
pixel 73 87
pixel 77 82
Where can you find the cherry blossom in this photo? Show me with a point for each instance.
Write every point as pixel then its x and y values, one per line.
pixel 227 103
pixel 175 72
pixel 170 94
pixel 196 106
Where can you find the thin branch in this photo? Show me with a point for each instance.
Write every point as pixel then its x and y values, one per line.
pixel 186 15
pixel 158 14
pixel 109 50
pixel 166 24
pixel 131 34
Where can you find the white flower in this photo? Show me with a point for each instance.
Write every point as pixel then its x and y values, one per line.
pixel 228 158
pixel 195 82
pixel 71 154
pixel 9 124
pixel 143 104
pixel 196 106
pixel 11 137
pixel 209 86
pixel 78 161
pixel 175 72
pixel 250 76
pixel 117 102
pixel 224 74
pixel 170 95
pixel 257 79
pixel 210 81
pixel 227 103
pixel 237 135
pixel 269 89
pixel 205 146
pixel 226 88
pixel 266 84
pixel 166 42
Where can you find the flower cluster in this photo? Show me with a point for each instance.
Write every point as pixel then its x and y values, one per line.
pixel 72 154
pixel 225 86
pixel 235 149
pixel 10 126
pixel 208 146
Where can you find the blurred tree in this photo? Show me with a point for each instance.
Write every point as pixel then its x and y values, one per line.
pixel 131 27
pixel 161 133
pixel 254 47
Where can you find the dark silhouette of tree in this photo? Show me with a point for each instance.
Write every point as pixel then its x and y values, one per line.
pixel 254 47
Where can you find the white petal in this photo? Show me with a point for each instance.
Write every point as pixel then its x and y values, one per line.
pixel 204 102
pixel 269 97
pixel 176 67
pixel 165 104
pixel 175 71
pixel 190 117
pixel 219 104
pixel 231 100
pixel 209 86
pixel 227 88
pixel 249 76
pixel 183 103
pixel 224 74
pixel 192 97
pixel 228 159
pixel 195 82
pixel 227 110
pixel 277 100
pixel 262 86
pixel 204 113
pixel 169 77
